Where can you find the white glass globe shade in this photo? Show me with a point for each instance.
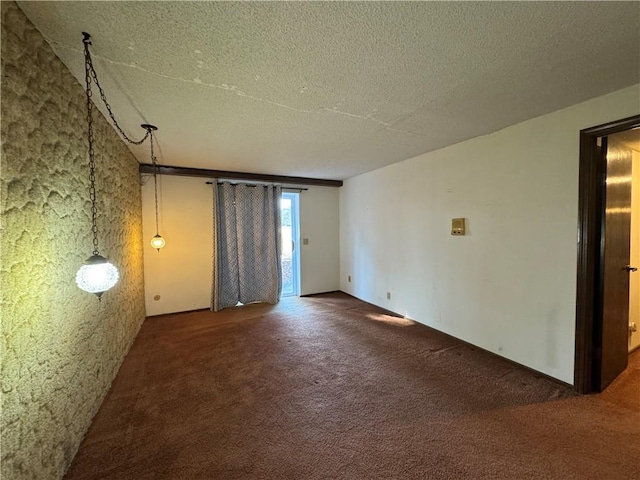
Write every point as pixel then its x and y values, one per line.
pixel 97 275
pixel 157 242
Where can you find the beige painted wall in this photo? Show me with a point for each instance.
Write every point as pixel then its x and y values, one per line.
pixel 509 285
pixel 181 272
pixel 320 223
pixel 634 277
pixel 61 347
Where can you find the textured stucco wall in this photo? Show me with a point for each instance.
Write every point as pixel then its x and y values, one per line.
pixel 61 348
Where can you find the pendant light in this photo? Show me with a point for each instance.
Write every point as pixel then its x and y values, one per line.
pixel 97 275
pixel 157 241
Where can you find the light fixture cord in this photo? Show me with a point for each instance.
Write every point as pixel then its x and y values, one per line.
pixel 154 161
pixel 89 65
pixel 92 160
pixel 91 75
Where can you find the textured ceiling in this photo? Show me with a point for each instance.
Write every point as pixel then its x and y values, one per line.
pixel 334 89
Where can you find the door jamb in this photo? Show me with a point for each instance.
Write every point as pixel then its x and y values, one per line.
pixel 589 276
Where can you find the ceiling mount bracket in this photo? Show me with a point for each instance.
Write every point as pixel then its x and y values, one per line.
pixel 149 127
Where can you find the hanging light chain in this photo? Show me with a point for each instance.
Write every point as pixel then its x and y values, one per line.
pixel 92 160
pixel 89 65
pixel 154 161
pixel 91 76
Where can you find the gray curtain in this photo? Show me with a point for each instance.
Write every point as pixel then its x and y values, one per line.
pixel 247 245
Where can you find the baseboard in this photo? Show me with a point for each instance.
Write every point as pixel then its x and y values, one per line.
pixel 178 313
pixel 320 293
pixel 513 362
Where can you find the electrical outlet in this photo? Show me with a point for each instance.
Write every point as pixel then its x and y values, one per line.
pixel 388 295
pixel 305 241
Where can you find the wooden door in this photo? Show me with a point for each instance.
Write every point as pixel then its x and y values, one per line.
pixel 616 238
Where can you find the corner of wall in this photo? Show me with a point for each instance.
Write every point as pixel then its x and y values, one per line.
pixel 509 286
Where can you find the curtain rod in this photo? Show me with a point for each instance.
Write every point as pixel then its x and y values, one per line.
pixel 302 189
pixel 242 176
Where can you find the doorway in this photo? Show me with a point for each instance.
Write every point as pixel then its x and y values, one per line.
pixel 606 275
pixel 290 258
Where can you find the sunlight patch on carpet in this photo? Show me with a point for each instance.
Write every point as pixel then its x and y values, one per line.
pixel 390 319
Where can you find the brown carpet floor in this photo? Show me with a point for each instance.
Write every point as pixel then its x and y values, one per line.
pixel 329 387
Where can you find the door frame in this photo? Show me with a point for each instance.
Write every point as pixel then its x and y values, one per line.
pixel 591 202
pixel 295 236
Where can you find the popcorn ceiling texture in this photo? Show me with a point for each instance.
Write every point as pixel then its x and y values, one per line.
pixel 336 89
pixel 61 347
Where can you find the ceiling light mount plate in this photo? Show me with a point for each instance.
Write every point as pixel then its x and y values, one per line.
pixel 148 126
